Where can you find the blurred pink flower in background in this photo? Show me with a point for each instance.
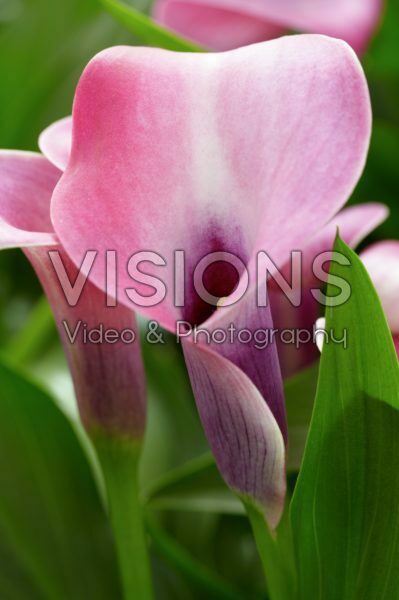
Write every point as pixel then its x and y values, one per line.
pixel 382 263
pixel 227 24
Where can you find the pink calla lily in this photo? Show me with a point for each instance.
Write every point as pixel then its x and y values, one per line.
pixel 382 262
pixel 227 24
pixel 354 224
pixel 108 379
pixel 240 152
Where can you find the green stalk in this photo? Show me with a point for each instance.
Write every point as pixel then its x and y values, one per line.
pixel 276 553
pixel 119 460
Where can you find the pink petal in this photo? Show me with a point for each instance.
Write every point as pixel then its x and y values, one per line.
pixel 242 432
pixel 252 149
pixel 55 142
pixel 351 20
pixel 27 181
pixel 354 224
pixel 382 263
pixel 215 27
pixel 108 376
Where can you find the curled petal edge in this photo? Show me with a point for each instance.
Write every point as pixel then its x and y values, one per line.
pixel 242 432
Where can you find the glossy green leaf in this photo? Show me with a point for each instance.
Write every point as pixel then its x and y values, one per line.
pixel 53 529
pixel 146 29
pixel 345 514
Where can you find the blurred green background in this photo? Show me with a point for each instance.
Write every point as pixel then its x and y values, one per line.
pixel 44 45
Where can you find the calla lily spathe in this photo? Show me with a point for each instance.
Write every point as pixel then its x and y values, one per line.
pixel 108 379
pixel 227 24
pixel 354 224
pixel 250 150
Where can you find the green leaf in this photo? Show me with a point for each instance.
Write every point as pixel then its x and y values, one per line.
pixel 15 582
pixel 146 29
pixel 345 514
pixel 53 528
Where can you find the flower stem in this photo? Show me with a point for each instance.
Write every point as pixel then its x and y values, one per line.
pixel 119 462
pixel 276 553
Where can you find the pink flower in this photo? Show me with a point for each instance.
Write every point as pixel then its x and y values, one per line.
pixel 108 378
pixel 382 262
pixel 227 24
pixel 241 152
